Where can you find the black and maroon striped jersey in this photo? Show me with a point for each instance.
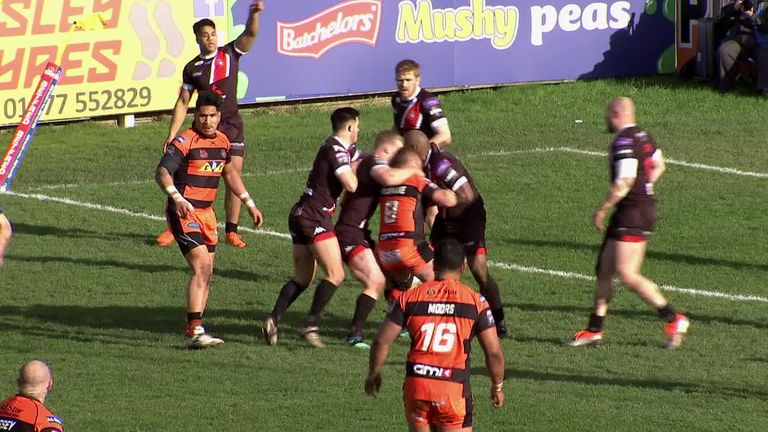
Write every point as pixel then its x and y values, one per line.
pixel 196 164
pixel 323 186
pixel 448 172
pixel 217 72
pixel 442 317
pixel 358 207
pixel 422 112
pixel 635 146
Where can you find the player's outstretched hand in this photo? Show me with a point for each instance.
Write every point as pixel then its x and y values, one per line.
pixel 258 219
pixel 597 219
pixel 497 396
pixel 373 385
pixel 257 6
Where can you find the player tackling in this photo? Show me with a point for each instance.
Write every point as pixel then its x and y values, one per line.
pixel 636 165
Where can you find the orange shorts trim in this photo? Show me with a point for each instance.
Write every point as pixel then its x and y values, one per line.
pixel 403 255
pixel 448 413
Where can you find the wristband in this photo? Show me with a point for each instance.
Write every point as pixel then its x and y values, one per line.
pixel 498 387
pixel 245 197
pixel 171 190
pixel 250 203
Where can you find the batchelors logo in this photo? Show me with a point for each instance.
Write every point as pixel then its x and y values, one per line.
pixel 346 22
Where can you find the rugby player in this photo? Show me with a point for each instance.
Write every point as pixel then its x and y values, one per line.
pixel 26 410
pixel 216 69
pixel 415 108
pixel 352 227
pixel 442 317
pixel 403 251
pixel 636 164
pixel 465 222
pixel 189 173
pixel 6 232
pixel 312 233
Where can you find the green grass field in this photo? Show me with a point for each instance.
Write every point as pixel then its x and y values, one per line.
pixel 85 287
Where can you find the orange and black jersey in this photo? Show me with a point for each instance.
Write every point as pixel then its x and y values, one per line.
pixel 402 208
pixel 217 72
pixel 634 143
pixel 323 186
pixel 442 317
pixel 196 163
pixel 358 207
pixel 22 414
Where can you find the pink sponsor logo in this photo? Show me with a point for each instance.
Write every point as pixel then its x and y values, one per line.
pixel 346 22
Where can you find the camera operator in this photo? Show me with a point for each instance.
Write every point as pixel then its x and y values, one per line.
pixel 739 42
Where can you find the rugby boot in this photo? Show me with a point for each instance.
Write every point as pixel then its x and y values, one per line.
pixel 676 330
pixel 357 342
pixel 586 338
pixel 311 334
pixel 236 240
pixel 270 331
pixel 165 239
pixel 200 339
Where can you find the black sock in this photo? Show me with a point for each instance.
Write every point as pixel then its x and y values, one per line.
pixel 363 307
pixel 595 323
pixel 667 313
pixel 498 315
pixel 230 227
pixel 290 292
pixel 323 294
pixel 194 316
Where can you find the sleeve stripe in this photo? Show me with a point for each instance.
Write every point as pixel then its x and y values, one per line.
pixel 459 183
pixel 626 168
pixel 439 123
pixel 342 169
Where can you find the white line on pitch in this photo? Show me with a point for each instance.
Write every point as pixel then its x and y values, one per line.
pixel 572 275
pixel 150 181
pixel 514 267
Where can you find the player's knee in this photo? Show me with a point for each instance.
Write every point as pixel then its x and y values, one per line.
pixel 203 270
pixel 628 278
pixel 335 276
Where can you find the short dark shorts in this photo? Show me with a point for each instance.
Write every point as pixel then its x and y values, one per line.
pixel 232 127
pixel 353 240
pixel 308 225
pixel 632 223
pixel 468 229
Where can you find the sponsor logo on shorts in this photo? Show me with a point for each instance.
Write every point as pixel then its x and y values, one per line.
pixel 193 225
pixel 319 230
pixel 432 371
pixel 351 21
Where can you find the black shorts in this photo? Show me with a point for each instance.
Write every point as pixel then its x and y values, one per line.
pixel 353 240
pixel 468 228
pixel 308 225
pixel 232 127
pixel 632 222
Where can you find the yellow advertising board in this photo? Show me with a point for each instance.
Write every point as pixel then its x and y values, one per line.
pixel 132 65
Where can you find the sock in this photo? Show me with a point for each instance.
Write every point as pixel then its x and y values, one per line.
pixel 288 294
pixel 667 313
pixel 323 294
pixel 595 323
pixel 230 227
pixel 498 315
pixel 363 307
pixel 194 319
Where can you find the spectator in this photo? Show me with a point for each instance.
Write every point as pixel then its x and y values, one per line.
pixel 739 43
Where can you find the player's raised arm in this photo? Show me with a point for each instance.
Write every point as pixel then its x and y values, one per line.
pixel 179 113
pixel 244 42
pixel 235 182
pixel 443 197
pixel 494 362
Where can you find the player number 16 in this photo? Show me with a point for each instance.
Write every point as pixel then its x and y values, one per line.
pixel 441 337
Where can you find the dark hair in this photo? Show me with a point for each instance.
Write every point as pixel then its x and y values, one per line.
pixel 341 116
pixel 403 156
pixel 208 98
pixel 205 22
pixel 449 255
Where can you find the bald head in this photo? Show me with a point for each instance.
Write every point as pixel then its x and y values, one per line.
pixel 619 113
pixel 417 141
pixel 35 379
pixel 406 158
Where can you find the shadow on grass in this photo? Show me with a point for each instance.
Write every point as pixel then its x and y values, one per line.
pixel 652 384
pixel 661 256
pixel 76 233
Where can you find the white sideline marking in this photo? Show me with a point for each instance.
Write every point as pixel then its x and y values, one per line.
pixel 514 267
pixel 141 182
pixel 671 288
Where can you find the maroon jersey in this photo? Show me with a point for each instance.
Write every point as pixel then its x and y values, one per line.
pixel 634 143
pixel 448 172
pixel 217 72
pixel 358 207
pixel 422 112
pixel 323 187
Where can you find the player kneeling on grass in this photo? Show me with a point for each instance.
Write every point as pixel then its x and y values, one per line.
pixel 442 317
pixel 189 173
pixel 636 164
